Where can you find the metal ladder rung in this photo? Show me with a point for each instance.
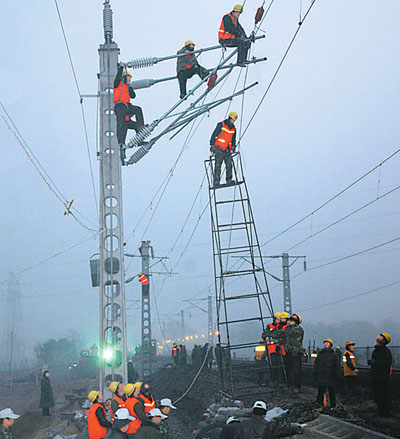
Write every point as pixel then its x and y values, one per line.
pixel 232 201
pixel 244 296
pixel 241 247
pixel 238 273
pixel 232 229
pixel 252 319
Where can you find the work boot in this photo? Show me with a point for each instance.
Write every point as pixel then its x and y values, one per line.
pixel 241 64
pixel 122 153
pixel 181 96
pixel 231 182
pixel 216 184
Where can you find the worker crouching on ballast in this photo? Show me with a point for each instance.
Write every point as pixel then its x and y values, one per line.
pixel 223 144
pixel 232 34
pixel 124 110
pixel 188 66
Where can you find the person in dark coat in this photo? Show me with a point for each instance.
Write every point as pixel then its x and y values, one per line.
pixel 188 66
pixel 196 357
pixel 232 429
pixel 294 335
pixel 151 428
pixel 381 365
pixel 326 372
pixel 46 394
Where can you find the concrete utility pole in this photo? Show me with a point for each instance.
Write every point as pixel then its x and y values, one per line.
pixel 146 354
pixel 287 296
pixel 113 350
pixel 210 318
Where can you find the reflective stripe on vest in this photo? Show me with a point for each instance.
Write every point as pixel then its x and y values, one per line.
pixel 96 431
pixel 189 66
pixel 133 426
pixel 121 404
pixel 346 369
pixel 260 350
pixel 149 403
pixel 224 138
pixel 121 94
pixel 222 34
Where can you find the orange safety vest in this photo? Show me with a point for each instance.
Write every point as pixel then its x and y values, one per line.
pixel 224 138
pixel 121 404
pixel 149 403
pixel 121 93
pixel 272 346
pixel 283 346
pixel 174 351
pixel 222 33
pixel 133 426
pixel 348 372
pixel 260 351
pixel 96 431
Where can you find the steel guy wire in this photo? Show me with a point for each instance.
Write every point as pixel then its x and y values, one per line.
pixel 81 103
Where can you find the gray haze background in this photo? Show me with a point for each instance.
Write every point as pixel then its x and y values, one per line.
pixel 331 115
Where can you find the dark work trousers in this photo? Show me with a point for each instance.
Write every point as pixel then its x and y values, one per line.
pixel 222 156
pixel 242 44
pixel 349 383
pixel 261 369
pixel 276 363
pixel 293 369
pixel 46 411
pixel 382 395
pixel 126 111
pixel 332 395
pixel 185 74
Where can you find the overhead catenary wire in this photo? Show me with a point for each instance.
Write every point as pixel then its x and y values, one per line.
pixel 81 103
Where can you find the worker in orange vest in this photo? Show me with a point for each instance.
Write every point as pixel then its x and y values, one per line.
pixel 349 368
pixel 187 66
pixel 175 353
pixel 97 417
pixel 223 144
pixel 119 398
pixel 146 398
pixel 135 408
pixel 232 34
pixel 270 336
pixel 124 110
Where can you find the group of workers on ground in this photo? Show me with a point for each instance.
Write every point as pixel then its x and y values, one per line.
pixel 199 355
pixel 133 413
pixel 223 139
pixel 281 350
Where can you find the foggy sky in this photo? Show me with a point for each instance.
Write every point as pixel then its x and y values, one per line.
pixel 331 115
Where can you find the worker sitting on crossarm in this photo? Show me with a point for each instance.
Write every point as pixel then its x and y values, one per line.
pixel 232 34
pixel 223 144
pixel 124 110
pixel 188 66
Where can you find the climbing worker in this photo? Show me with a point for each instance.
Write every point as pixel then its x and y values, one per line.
pixel 165 409
pixel 261 359
pixel 135 408
pixel 294 334
pixel 120 425
pixel 7 419
pixel 232 429
pixel 326 373
pixel 119 398
pixel 270 335
pixel 232 34
pixel 381 370
pixel 151 428
pixel 97 417
pixel 46 394
pixel 349 368
pixel 188 66
pixel 223 144
pixel 124 110
pixel 146 398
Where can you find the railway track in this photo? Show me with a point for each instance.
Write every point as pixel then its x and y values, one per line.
pixel 332 428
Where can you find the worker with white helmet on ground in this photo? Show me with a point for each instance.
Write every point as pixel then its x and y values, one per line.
pixel 165 408
pixel 151 428
pixel 7 419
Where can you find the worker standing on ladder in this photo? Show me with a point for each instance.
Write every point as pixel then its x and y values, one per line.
pixel 188 66
pixel 124 110
pixel 223 144
pixel 232 34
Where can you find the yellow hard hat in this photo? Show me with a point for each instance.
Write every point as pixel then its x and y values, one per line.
pixel 284 315
pixel 128 389
pixel 277 315
pixel 126 73
pixel 298 317
pixel 238 8
pixel 233 115
pixel 188 42
pixel 329 340
pixel 138 385
pixel 93 395
pixel 386 336
pixel 349 343
pixel 113 386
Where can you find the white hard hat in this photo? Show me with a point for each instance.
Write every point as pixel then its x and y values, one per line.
pixel 122 414
pixel 232 419
pixel 166 402
pixel 260 405
pixel 8 413
pixel 156 412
